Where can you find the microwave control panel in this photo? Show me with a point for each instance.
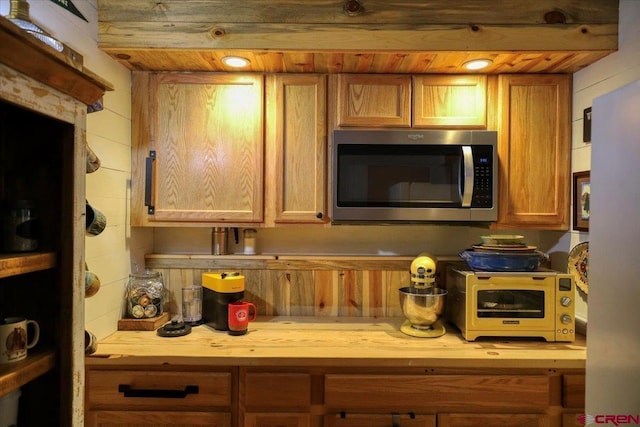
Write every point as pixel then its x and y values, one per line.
pixel 482 196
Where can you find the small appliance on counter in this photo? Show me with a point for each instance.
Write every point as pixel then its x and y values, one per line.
pixel 422 302
pixel 218 290
pixel 536 304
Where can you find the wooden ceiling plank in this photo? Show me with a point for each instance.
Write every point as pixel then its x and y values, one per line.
pixel 298 62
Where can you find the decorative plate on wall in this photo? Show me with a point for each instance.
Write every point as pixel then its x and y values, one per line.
pixel 579 265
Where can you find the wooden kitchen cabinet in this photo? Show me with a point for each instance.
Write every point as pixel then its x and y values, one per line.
pixel 380 420
pixel 502 420
pixel 170 396
pixel 573 387
pixel 442 393
pixel 198 148
pixel 275 398
pixel 450 101
pixel 276 420
pixel 296 149
pixel 355 396
pixel 332 372
pixel 156 418
pixel 534 150
pixel 419 101
pixel 43 111
pixel 373 100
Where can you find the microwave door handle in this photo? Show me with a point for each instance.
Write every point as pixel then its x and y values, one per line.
pixel 467 166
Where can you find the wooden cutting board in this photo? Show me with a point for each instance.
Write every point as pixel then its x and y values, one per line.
pixel 150 324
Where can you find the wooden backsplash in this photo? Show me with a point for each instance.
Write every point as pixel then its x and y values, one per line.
pixel 331 286
pixel 299 286
pixel 306 292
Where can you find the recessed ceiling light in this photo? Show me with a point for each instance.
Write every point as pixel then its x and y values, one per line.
pixel 477 64
pixel 235 61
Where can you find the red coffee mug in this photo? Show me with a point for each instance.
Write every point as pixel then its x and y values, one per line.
pixel 240 314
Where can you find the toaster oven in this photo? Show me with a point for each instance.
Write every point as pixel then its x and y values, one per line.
pixel 537 303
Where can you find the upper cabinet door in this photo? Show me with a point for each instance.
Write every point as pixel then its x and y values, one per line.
pixel 374 100
pixel 198 148
pixel 296 149
pixel 450 101
pixel 534 150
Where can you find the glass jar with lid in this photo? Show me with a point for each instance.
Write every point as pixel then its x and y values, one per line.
pixel 145 294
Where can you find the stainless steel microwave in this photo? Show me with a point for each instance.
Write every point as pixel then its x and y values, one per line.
pixel 390 176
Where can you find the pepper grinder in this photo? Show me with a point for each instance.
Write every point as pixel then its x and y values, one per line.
pixel 219 240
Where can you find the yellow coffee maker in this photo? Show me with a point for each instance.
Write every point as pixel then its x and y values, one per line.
pixel 218 290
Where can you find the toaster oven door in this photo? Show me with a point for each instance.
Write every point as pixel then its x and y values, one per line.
pixel 500 304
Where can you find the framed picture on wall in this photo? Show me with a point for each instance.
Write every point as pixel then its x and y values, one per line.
pixel 581 200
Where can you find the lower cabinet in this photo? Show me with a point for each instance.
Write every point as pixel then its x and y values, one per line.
pixel 156 418
pixel 502 420
pixel 154 396
pixel 275 399
pixel 276 420
pixel 325 396
pixel 379 420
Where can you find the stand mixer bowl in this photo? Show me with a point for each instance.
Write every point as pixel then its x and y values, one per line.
pixel 422 306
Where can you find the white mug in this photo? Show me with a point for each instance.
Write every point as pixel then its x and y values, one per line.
pixel 13 338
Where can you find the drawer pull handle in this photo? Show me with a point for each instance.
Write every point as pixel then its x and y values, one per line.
pixel 171 394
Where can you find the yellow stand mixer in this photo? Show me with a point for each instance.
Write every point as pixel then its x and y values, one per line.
pixel 422 302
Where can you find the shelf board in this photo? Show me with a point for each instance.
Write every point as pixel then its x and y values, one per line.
pixel 14 264
pixel 15 375
pixel 34 58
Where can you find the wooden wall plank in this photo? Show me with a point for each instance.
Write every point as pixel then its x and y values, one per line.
pixel 337 292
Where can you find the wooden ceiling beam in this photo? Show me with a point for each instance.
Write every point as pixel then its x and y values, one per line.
pixel 145 32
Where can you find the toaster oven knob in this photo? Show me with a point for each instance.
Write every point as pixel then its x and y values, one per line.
pixel 565 318
pixel 565 301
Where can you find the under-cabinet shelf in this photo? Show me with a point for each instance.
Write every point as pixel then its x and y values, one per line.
pixel 15 375
pixel 14 264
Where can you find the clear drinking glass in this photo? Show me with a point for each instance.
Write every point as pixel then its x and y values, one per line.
pixel 192 304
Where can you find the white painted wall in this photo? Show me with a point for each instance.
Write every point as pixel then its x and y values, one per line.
pixel 109 136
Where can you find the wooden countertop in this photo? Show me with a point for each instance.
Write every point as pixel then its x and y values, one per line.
pixel 335 341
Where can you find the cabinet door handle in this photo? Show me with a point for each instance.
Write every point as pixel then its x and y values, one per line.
pixel 395 420
pixel 170 394
pixel 148 178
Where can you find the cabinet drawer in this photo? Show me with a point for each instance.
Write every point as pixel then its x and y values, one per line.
pixel 436 392
pixel 276 420
pixel 502 420
pixel 573 389
pixel 179 391
pixel 156 419
pixel 276 391
pixel 382 420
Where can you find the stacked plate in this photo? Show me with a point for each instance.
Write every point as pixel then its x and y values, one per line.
pixel 503 252
pixel 503 243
